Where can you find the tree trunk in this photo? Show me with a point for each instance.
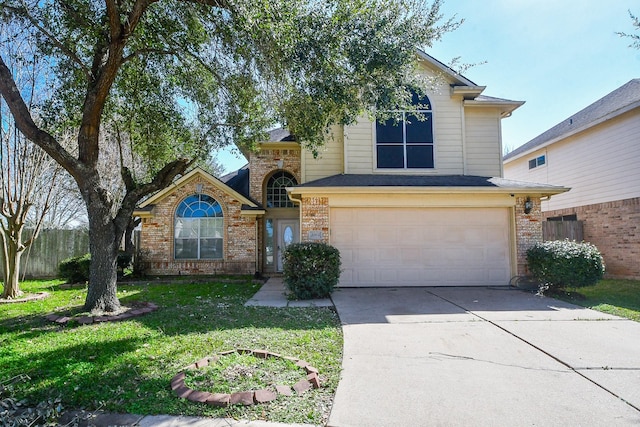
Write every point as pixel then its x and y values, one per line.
pixel 11 266
pixel 104 241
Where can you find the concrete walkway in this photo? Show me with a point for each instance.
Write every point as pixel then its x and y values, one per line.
pixel 273 294
pixel 482 357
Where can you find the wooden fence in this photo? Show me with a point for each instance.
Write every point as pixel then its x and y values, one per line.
pixel 51 247
pixel 560 230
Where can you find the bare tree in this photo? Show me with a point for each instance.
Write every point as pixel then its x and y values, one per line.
pixel 22 167
pixel 28 175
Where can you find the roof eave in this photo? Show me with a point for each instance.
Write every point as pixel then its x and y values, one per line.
pixel 577 130
pixel 506 107
pixel 535 190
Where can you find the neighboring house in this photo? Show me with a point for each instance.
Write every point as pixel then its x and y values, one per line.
pixel 418 202
pixel 596 152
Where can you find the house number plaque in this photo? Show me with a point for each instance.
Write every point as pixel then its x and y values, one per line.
pixel 314 235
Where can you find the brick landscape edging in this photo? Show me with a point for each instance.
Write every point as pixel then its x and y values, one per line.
pixel 250 397
pixel 141 309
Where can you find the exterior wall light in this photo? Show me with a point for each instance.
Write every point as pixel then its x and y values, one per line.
pixel 528 205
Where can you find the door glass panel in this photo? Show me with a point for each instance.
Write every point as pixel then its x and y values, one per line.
pixel 288 236
pixel 269 249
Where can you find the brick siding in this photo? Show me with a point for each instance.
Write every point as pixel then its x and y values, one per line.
pixel 528 230
pixel 240 238
pixel 315 217
pixel 263 163
pixel 614 227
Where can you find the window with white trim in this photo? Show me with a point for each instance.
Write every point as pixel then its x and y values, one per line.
pixel 198 228
pixel 405 141
pixel 538 161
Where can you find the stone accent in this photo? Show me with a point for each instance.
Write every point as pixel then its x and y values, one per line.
pixel 614 228
pixel 244 397
pixel 302 386
pixel 241 398
pixel 314 214
pixel 528 230
pixel 240 237
pixel 264 396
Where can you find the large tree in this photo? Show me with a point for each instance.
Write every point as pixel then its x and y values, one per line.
pixel 179 77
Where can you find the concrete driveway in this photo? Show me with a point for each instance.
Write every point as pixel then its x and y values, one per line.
pixel 482 357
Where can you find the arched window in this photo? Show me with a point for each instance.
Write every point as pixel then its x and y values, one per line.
pixel 199 228
pixel 277 190
pixel 406 141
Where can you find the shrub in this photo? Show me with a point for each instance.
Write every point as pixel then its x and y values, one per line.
pixel 311 269
pixel 124 260
pixel 140 265
pixel 564 263
pixel 75 269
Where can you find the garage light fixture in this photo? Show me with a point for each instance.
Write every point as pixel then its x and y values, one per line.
pixel 528 205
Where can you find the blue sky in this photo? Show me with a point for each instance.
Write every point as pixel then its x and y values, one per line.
pixel 557 55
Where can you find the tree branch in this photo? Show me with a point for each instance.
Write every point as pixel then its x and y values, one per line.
pixel 141 52
pixel 24 122
pixel 57 43
pixel 162 179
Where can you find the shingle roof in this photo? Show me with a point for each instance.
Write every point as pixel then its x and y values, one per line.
pixel 238 180
pixel 617 102
pixel 361 180
pixel 280 134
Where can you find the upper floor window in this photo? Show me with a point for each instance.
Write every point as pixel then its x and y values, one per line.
pixel 406 141
pixel 538 161
pixel 277 190
pixel 198 228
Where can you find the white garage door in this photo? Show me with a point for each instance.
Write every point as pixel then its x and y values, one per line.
pixel 422 246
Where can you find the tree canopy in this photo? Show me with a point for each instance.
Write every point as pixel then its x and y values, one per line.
pixel 172 79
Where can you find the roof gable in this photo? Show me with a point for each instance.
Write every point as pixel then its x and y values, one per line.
pixel 198 172
pixel 621 100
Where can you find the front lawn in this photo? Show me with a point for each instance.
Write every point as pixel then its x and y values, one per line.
pixel 619 297
pixel 127 366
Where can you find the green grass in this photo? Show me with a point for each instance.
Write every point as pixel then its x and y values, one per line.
pixel 127 366
pixel 243 372
pixel 618 297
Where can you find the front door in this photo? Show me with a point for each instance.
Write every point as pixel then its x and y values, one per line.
pixel 288 233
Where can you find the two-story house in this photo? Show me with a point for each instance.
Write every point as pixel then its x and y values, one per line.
pixel 596 152
pixel 410 201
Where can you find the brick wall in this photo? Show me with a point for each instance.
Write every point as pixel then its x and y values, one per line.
pixel 315 217
pixel 240 239
pixel 528 230
pixel 614 227
pixel 265 162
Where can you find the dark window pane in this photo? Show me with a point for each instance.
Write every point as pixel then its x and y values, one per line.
pixel 211 248
pixel 423 101
pixel 186 248
pixel 532 164
pixel 419 156
pixel 389 131
pixel 419 131
pixel 277 190
pixel 541 160
pixel 390 156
